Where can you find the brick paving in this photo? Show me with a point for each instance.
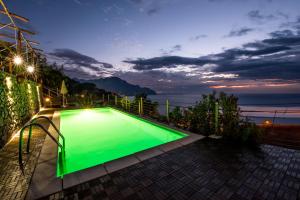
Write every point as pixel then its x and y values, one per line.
pixel 206 169
pixel 13 183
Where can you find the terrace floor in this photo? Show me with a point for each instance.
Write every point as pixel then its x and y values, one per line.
pixel 13 183
pixel 207 169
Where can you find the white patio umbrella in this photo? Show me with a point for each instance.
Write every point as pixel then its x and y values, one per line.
pixel 63 91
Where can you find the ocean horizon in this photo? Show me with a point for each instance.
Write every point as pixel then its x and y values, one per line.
pixel 280 108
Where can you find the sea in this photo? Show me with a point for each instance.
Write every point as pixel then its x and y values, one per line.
pixel 278 108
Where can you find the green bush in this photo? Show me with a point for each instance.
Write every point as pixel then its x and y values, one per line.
pixel 202 116
pixel 176 116
pixel 85 100
pixel 217 115
pixel 18 102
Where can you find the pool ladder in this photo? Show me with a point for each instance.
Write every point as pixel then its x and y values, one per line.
pixel 32 123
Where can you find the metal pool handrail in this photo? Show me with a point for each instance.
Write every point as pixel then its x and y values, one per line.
pixel 61 146
pixel 50 121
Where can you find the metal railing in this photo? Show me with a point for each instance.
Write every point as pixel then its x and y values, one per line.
pixel 51 123
pixel 143 106
pixel 32 123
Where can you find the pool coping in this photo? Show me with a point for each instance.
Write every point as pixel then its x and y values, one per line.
pixel 44 181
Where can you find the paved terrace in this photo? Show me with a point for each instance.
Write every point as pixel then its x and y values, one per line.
pixel 203 170
pixel 207 169
pixel 13 183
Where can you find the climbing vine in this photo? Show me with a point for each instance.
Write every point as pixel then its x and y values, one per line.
pixel 18 102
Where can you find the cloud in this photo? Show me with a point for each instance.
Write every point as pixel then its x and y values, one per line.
pixel 177 47
pixel 164 62
pixel 283 41
pixel 239 32
pixel 295 25
pixel 276 58
pixel 153 11
pixel 78 2
pixel 73 57
pixel 150 7
pixel 174 49
pixel 198 37
pixel 77 63
pixel 260 18
pixel 282 34
pixel 257 16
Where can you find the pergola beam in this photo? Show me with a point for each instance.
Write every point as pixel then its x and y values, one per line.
pixel 17 28
pixel 13 37
pixel 15 16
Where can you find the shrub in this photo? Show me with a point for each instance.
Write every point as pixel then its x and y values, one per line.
pixel 176 116
pixel 85 100
pixel 218 115
pixel 18 102
pixel 203 115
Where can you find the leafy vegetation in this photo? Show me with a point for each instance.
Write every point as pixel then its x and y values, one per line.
pixel 218 115
pixel 18 101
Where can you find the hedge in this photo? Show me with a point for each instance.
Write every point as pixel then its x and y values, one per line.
pixel 19 100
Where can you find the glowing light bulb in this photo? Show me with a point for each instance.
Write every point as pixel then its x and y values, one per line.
pixel 47 99
pixel 30 69
pixel 18 60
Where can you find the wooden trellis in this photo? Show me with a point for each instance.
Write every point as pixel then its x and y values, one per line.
pixel 22 45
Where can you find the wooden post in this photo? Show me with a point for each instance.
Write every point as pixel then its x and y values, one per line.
pixel 103 97
pixel 63 98
pixel 19 42
pixel 139 107
pixel 116 100
pixel 10 67
pixel 216 117
pixel 142 106
pixel 108 98
pixel 128 104
pixel 167 109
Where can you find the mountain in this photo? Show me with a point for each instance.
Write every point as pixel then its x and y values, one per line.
pixel 115 84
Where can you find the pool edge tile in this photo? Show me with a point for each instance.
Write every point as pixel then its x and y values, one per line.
pixel 70 180
pixel 149 153
pixel 92 173
pixel 191 138
pixel 170 146
pixel 120 163
pixel 44 182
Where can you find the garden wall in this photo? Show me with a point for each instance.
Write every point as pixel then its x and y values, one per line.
pixel 19 100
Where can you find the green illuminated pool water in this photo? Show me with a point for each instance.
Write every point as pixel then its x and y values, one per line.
pixel 96 136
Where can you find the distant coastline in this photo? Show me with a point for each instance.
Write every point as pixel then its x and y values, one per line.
pixel 286 105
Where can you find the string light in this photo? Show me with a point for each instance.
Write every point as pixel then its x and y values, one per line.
pixel 18 60
pixel 30 69
pixel 47 99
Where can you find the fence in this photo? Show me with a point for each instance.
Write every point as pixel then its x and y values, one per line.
pixel 256 112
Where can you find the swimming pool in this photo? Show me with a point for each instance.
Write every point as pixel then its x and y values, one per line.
pixel 96 136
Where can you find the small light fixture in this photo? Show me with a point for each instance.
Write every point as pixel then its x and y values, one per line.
pixel 18 60
pixel 82 96
pixel 267 123
pixel 47 99
pixel 30 69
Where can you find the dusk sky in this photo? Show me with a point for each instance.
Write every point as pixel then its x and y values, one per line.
pixel 173 46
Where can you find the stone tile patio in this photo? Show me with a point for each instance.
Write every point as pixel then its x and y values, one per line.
pixel 13 183
pixel 206 169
